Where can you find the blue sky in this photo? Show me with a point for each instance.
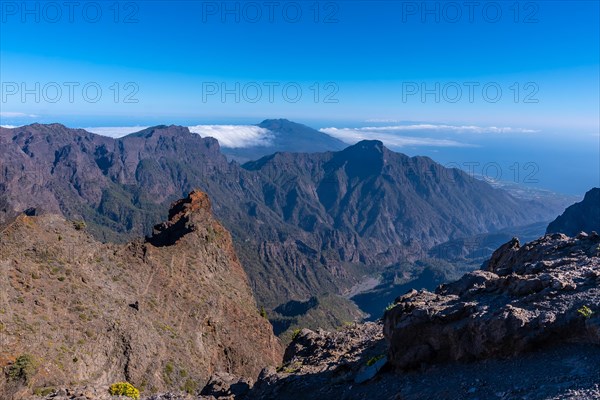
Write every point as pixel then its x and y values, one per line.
pixel 355 63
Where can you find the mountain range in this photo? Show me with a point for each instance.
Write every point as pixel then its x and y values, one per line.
pixel 304 224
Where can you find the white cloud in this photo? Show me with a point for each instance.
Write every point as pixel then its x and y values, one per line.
pixel 389 138
pixel 448 129
pixel 115 131
pixel 393 135
pixel 9 126
pixel 10 114
pixel 235 136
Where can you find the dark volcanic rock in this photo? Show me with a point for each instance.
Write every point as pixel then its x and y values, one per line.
pixel 580 217
pixel 526 297
pixel 180 219
pixel 227 385
pixel 321 365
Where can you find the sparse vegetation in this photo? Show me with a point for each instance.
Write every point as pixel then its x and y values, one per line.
pixel 295 333
pixel 124 389
pixel 79 225
pixel 190 386
pixel 390 306
pixel 43 391
pixel 291 368
pixel 168 371
pixel 263 313
pixel 373 360
pixel 23 368
pixel 585 311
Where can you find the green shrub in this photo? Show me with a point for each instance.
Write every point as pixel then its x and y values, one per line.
pixel 124 389
pixel 23 368
pixel 43 391
pixel 263 313
pixel 295 333
pixel 373 360
pixel 190 386
pixel 79 225
pixel 585 311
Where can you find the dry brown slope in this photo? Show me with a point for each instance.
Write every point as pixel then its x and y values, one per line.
pixel 67 300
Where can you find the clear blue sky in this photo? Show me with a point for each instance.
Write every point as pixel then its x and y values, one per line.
pixel 371 58
pixel 366 49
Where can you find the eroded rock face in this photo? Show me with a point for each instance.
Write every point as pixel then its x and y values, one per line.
pixel 163 317
pixel 324 365
pixel 526 296
pixel 180 219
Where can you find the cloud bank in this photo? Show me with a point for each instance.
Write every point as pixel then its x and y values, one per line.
pixel 235 136
pixel 393 136
pixel 11 114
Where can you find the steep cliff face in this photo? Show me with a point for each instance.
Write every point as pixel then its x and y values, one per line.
pixel 164 313
pixel 544 292
pixel 580 217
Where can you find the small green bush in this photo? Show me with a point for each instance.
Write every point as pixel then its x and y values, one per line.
pixel 373 360
pixel 124 389
pixel 295 333
pixel 23 368
pixel 263 313
pixel 79 225
pixel 190 386
pixel 43 391
pixel 585 311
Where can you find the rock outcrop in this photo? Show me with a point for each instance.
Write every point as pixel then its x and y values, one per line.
pixel 583 216
pixel 324 365
pixel 527 296
pixel 163 314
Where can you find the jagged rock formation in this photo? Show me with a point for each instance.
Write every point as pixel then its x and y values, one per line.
pixel 165 313
pixel 580 217
pixel 324 365
pixel 525 297
pixel 303 224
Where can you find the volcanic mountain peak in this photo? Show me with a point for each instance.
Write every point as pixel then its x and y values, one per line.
pixel 282 124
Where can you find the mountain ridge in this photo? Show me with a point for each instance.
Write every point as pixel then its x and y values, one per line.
pixel 303 224
pixel 90 313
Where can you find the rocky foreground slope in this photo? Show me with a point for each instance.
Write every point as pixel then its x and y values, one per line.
pixel 526 326
pixel 163 314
